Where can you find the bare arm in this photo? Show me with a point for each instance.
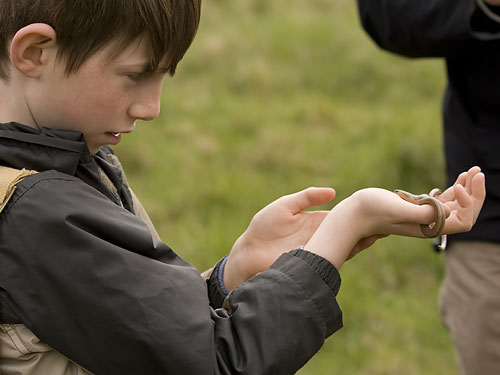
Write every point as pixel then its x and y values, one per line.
pixel 350 227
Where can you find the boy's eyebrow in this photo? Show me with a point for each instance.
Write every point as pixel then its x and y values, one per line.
pixel 147 68
pixel 143 66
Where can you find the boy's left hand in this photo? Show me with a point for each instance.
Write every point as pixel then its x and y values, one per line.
pixel 281 226
pixel 464 199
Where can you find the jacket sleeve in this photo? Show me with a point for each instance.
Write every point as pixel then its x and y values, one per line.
pixel 87 277
pixel 429 28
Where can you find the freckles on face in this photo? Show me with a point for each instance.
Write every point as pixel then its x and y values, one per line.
pixel 99 91
pixel 92 100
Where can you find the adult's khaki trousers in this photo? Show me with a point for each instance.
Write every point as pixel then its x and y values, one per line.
pixel 470 305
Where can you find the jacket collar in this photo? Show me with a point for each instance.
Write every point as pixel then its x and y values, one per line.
pixel 64 151
pixel 25 147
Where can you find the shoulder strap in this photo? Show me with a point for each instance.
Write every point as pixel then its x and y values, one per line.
pixel 9 177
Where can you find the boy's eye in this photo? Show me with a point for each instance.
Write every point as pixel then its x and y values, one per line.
pixel 137 76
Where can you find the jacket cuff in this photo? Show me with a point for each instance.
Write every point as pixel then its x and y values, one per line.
pixel 215 294
pixel 323 268
pixel 327 271
pixel 318 279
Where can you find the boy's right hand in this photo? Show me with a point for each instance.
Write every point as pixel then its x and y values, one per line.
pixel 281 226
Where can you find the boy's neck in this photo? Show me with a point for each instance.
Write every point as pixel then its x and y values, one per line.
pixel 13 107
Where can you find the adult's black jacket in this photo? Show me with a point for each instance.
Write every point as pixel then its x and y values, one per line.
pixel 85 275
pixel 470 42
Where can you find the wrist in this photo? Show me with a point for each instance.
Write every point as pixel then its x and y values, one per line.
pixel 232 274
pixel 339 232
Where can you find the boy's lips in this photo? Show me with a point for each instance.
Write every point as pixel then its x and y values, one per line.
pixel 114 138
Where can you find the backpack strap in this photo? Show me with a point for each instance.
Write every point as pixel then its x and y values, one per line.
pixel 9 177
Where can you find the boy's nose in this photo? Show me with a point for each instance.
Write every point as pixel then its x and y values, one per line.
pixel 145 110
pixel 146 107
pixel 145 113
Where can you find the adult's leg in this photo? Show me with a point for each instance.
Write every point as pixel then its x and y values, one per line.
pixel 470 305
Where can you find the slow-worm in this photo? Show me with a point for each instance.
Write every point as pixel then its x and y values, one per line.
pixel 433 229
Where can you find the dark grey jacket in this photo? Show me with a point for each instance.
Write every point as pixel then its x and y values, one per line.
pixel 85 275
pixel 470 42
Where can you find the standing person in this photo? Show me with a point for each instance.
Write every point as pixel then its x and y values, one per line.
pixel 85 285
pixel 467 35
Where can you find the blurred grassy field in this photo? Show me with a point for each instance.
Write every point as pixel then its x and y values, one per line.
pixel 275 96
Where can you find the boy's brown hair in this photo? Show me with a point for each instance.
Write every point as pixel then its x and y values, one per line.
pixel 83 27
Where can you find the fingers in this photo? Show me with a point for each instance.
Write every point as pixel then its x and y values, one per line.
pixel 478 186
pixel 465 179
pixel 471 173
pixel 447 211
pixel 474 190
pixel 307 198
pixel 461 178
pixel 478 193
pixel 468 202
pixel 462 195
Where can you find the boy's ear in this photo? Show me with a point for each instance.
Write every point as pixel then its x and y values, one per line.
pixel 30 47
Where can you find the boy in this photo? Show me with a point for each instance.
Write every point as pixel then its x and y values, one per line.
pixel 85 285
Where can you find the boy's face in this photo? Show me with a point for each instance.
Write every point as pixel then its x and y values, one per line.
pixel 103 99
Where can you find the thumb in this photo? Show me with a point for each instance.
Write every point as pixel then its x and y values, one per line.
pixel 310 197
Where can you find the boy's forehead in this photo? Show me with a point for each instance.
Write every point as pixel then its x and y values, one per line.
pixel 136 53
pixel 138 49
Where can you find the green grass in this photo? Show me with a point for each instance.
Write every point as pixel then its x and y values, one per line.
pixel 275 96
